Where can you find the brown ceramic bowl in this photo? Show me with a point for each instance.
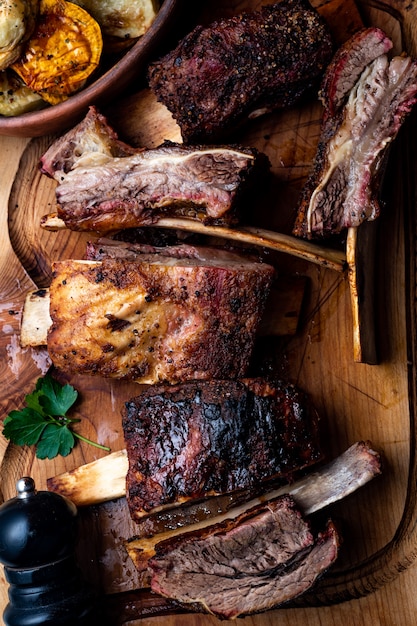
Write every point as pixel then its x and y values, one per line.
pixel 110 84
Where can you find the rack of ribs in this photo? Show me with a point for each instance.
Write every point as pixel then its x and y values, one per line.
pixel 201 438
pixel 164 319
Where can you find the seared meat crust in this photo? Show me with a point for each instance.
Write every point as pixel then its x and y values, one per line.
pixel 166 320
pixel 202 438
pixel 241 67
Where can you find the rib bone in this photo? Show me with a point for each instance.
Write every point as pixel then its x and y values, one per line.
pixel 105 479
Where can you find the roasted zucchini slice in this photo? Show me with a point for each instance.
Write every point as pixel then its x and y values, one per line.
pixel 121 21
pixel 15 97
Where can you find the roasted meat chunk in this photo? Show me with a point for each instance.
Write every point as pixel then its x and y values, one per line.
pixel 105 185
pixel 366 98
pixel 241 67
pixel 90 141
pixel 201 438
pixel 315 490
pixel 266 557
pixel 166 319
pixel 200 183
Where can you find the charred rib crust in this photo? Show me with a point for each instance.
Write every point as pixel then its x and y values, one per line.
pixel 200 438
pixel 220 75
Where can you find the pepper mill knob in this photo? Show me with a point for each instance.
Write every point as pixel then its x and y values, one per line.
pixel 38 531
pixel 25 486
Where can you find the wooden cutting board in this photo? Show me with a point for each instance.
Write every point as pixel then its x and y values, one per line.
pixel 355 401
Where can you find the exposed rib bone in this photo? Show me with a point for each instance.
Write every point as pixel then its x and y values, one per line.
pixel 105 479
pixel 307 250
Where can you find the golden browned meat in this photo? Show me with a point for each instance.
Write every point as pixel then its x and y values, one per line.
pixel 162 320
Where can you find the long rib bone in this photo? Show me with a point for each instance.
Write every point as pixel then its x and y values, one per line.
pixel 249 235
pixel 105 479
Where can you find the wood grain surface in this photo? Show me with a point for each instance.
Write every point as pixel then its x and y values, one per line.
pixel 355 400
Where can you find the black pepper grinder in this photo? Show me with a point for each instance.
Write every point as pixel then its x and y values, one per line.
pixel 38 531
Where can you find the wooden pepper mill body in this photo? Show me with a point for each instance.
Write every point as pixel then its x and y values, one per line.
pixel 37 548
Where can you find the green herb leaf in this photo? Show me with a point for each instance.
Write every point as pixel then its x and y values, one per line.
pixel 32 401
pixel 55 440
pixel 55 399
pixel 24 427
pixel 44 423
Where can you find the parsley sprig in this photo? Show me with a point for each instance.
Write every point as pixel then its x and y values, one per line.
pixel 43 421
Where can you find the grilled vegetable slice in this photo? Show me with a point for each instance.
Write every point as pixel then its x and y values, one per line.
pixel 15 97
pixel 17 22
pixel 63 51
pixel 121 21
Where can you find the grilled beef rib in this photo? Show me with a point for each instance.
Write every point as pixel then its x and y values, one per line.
pixel 366 98
pixel 165 319
pixel 191 441
pixel 105 185
pixel 241 67
pixel 263 559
